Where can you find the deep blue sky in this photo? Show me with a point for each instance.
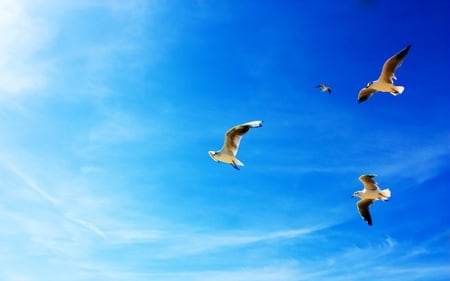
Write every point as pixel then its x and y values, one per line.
pixel 108 109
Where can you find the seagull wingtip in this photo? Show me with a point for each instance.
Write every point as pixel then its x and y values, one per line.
pixel 368 175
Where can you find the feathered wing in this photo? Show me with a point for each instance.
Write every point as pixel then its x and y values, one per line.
pixel 363 209
pixel 365 94
pixel 324 88
pixel 234 135
pixel 369 182
pixel 388 72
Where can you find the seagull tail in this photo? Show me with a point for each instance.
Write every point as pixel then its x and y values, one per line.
pixel 398 90
pixel 237 162
pixel 386 192
pixel 254 124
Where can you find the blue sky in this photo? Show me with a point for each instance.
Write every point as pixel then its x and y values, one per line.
pixel 108 109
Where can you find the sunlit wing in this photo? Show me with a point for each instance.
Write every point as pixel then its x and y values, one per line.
pixel 365 94
pixel 369 182
pixel 234 135
pixel 388 72
pixel 233 138
pixel 363 209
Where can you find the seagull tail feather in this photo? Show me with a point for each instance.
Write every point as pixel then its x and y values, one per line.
pixel 254 124
pixel 237 162
pixel 398 90
pixel 386 192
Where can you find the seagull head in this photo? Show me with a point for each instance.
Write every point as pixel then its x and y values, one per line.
pixel 356 194
pixel 213 155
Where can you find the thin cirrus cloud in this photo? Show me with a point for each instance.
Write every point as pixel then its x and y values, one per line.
pixel 54 205
pixel 199 243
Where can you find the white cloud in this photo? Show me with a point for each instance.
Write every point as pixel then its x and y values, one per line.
pixel 23 36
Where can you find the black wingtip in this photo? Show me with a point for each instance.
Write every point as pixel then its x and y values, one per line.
pixel 362 99
pixel 405 51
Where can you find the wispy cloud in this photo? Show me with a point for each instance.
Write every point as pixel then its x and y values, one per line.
pixel 201 243
pixel 287 271
pixel 359 262
pixel 417 163
pixel 176 242
pixel 31 184
pixel 24 35
pixel 88 225
pixel 57 205
pixel 391 158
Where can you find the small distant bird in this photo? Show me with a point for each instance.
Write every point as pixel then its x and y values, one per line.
pixel 370 193
pixel 324 88
pixel 385 82
pixel 227 153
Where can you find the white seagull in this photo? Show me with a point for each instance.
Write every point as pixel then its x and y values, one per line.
pixel 227 153
pixel 370 193
pixel 385 82
pixel 324 88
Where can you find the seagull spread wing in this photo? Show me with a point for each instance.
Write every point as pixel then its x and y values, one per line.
pixel 363 209
pixel 324 88
pixel 389 67
pixel 234 135
pixel 365 94
pixel 369 183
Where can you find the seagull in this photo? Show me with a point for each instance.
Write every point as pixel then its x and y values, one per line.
pixel 233 136
pixel 324 88
pixel 370 193
pixel 385 82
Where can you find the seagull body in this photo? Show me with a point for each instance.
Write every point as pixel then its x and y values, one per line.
pixel 227 154
pixel 324 88
pixel 385 82
pixel 368 195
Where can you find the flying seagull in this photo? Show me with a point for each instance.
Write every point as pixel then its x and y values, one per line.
pixel 385 82
pixel 324 88
pixel 233 136
pixel 370 193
